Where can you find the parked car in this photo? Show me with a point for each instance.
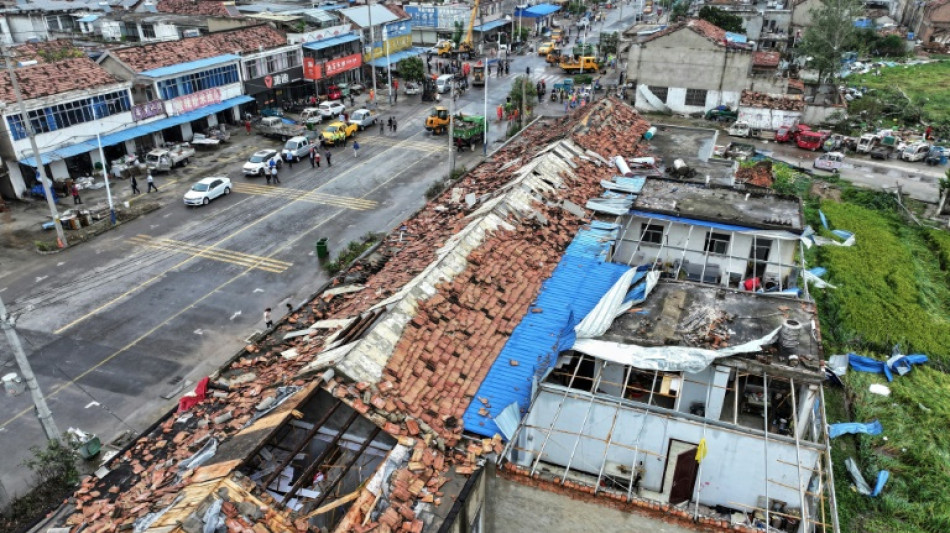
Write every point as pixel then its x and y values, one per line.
pixel 915 152
pixel 881 152
pixel 937 156
pixel 411 87
pixel 331 109
pixel 311 115
pixel 297 147
pixel 259 162
pixel 545 48
pixel 347 89
pixel 208 189
pixel 444 83
pixel 832 162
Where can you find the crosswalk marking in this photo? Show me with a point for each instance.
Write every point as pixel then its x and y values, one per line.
pixel 213 253
pixel 357 204
pixel 412 145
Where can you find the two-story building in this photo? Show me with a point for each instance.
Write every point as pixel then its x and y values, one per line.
pixel 67 103
pixel 275 75
pixel 147 27
pixel 195 82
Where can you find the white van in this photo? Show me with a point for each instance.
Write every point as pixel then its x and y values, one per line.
pixel 443 83
pixel 297 147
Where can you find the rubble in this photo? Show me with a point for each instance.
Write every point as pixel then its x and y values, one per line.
pixel 758 175
pixel 771 101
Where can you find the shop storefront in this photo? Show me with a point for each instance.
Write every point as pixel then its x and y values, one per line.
pixel 332 61
pixel 274 77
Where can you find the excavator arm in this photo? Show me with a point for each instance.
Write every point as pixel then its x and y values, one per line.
pixel 471 26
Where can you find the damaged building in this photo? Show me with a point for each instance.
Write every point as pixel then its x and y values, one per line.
pixel 503 360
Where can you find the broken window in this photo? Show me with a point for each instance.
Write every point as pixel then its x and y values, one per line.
pixel 652 233
pixel 696 97
pixel 717 243
pixel 660 92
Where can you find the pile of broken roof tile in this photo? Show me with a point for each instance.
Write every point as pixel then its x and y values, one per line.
pixel 46 79
pixel 438 364
pixel 204 8
pixel 758 175
pixel 768 101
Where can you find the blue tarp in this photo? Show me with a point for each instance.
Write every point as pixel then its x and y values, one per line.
pixel 901 364
pixel 581 278
pixel 736 37
pixel 89 18
pixel 162 72
pixel 489 26
pixel 396 57
pixel 853 428
pixel 882 478
pixel 332 41
pixel 824 219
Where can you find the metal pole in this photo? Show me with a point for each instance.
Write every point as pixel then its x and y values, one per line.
pixel 105 177
pixel 40 169
pixel 451 128
pixel 485 77
pixel 389 65
pixel 42 410
pixel 372 69
pixel 524 97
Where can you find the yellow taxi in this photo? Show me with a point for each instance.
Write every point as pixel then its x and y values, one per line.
pixel 545 48
pixel 335 132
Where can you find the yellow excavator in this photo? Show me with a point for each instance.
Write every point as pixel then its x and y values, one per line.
pixel 465 48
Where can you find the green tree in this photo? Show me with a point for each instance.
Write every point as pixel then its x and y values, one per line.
pixel 723 19
pixel 412 69
pixel 830 34
pixel 522 88
pixel 680 9
pixel 609 43
pixel 457 33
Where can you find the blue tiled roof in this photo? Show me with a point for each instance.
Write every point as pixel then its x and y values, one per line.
pixel 578 282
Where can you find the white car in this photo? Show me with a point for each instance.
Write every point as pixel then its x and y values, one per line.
pixel 331 109
pixel 259 163
pixel 208 189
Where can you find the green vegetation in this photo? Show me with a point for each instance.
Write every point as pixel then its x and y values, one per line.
pixel 54 469
pixel 723 19
pixel 523 88
pixel 412 69
pixel 829 36
pixel 893 287
pixel 905 96
pixel 351 252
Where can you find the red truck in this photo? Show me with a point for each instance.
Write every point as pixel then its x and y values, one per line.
pixel 790 133
pixel 811 140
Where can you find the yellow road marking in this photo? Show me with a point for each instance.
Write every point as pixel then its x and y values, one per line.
pixel 57 390
pixel 216 254
pixel 308 196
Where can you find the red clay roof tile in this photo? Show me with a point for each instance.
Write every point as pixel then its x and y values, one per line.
pixel 47 79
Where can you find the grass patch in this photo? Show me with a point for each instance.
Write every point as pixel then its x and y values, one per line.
pixel 353 250
pixel 930 83
pixel 893 287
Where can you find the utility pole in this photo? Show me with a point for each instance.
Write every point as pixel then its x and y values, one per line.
pixel 389 65
pixel 40 169
pixel 524 96
pixel 451 129
pixel 42 411
pixel 372 69
pixel 485 76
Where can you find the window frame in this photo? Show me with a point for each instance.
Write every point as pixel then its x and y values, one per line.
pixel 715 239
pixel 648 231
pixel 692 96
pixel 657 90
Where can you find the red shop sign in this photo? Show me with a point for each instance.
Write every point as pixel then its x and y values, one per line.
pixel 342 64
pixel 311 69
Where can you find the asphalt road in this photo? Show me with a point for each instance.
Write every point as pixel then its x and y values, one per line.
pixel 118 328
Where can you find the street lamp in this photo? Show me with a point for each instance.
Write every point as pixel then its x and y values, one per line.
pixel 105 166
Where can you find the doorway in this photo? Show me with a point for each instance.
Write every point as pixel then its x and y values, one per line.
pixel 679 478
pixel 758 255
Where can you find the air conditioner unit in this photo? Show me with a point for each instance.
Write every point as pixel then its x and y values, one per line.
pixel 191 33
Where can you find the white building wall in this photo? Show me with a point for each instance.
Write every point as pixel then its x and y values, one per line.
pixel 678 236
pixel 734 471
pixel 768 119
pixel 25 26
pixel 111 30
pixel 165 32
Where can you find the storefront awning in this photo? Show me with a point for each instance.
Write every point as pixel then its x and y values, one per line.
pixel 538 11
pixel 188 66
pixel 332 41
pixel 489 26
pixel 398 56
pixel 136 131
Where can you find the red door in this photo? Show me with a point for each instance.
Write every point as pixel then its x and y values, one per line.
pixel 684 477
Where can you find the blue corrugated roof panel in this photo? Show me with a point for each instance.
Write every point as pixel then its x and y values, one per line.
pixel 396 57
pixel 161 72
pixel 489 26
pixel 332 41
pixel 574 288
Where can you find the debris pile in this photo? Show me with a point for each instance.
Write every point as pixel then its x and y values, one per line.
pixel 758 175
pixel 784 102
pixel 706 326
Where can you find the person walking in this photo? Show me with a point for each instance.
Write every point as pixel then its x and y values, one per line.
pixel 382 128
pixel 273 176
pixel 312 158
pixel 290 159
pixel 328 154
pixel 151 183
pixel 247 126
pixel 395 125
pixel 135 186
pixel 268 321
pixel 75 193
pixel 356 149
pixel 389 123
pixel 267 175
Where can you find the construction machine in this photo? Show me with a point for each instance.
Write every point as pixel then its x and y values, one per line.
pixel 438 121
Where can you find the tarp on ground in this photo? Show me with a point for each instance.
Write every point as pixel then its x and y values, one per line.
pixel 853 428
pixel 899 363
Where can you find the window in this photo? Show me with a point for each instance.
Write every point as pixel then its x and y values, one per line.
pixel 652 233
pixel 61 116
pixel 696 97
pixel 272 65
pixel 717 243
pixel 251 67
pixel 660 92
pixel 148 31
pixel 198 81
pixel 292 59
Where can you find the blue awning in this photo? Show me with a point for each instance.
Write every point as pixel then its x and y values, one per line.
pixel 397 57
pixel 538 11
pixel 137 131
pixel 489 26
pixel 332 41
pixel 161 72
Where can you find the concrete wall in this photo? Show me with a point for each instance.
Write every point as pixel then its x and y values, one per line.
pixel 801 13
pixel 818 114
pixel 520 508
pixel 733 473
pixel 768 119
pixel 684 60
pixel 473 514
pixel 26 26
pixel 679 236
